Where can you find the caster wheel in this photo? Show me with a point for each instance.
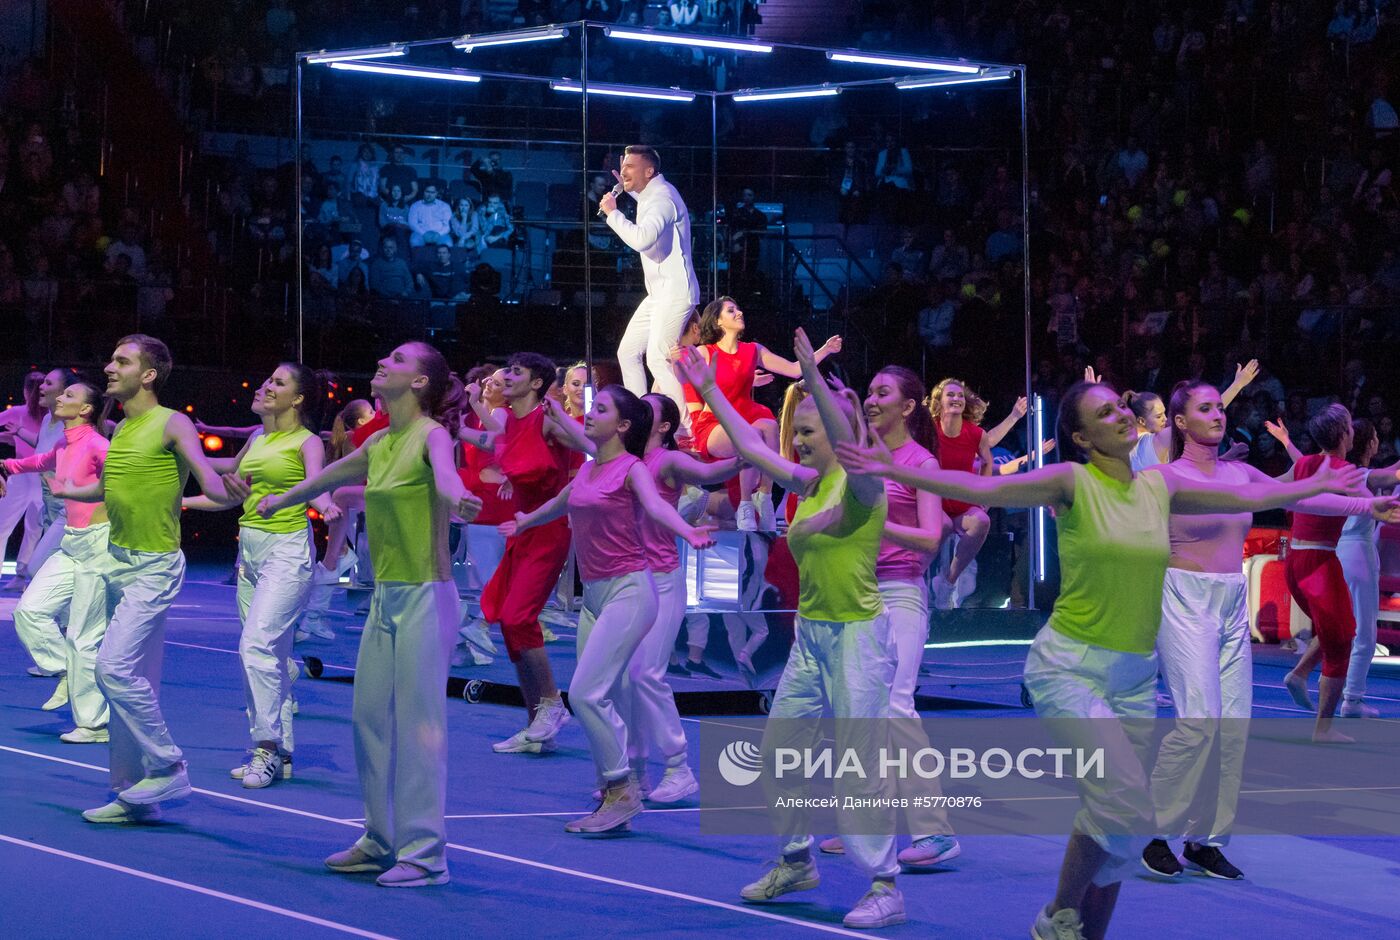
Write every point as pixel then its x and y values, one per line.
pixel 1026 698
pixel 472 691
pixel 314 667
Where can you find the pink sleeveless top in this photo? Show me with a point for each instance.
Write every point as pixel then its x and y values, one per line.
pixel 659 541
pixel 895 562
pixel 606 520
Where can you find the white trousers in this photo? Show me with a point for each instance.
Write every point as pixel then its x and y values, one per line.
pixel 274 579
pixel 654 328
pixel 617 614
pixel 906 602
pixel 1092 698
pixel 841 670
pixel 1203 648
pixel 1361 564
pixel 652 721
pixel 67 589
pixel 400 720
pixel 48 542
pixel 485 548
pixel 139 587
pixel 22 502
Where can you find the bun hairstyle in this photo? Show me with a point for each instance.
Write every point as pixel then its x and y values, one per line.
pixel 974 410
pixel 636 413
pixel 1362 433
pixel 435 398
pixel 1141 403
pixel 1180 400
pixel 101 405
pixel 670 414
pixel 1069 422
pixel 919 423
pixel 1329 426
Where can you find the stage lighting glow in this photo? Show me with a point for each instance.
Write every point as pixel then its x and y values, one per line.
pixel 349 55
pixel 626 91
pixel 213 443
pixel 936 65
pixel 943 81
pixel 684 39
pixel 777 94
pixel 469 42
pixel 408 71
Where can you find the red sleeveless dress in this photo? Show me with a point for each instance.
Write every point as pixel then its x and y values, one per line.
pixel 734 375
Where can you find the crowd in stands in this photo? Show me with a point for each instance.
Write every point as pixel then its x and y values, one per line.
pixel 1210 182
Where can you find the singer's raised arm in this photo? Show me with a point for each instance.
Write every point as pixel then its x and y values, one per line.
pixel 654 216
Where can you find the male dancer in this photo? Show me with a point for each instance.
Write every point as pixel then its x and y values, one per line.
pixel 536 467
pixel 152 453
pixel 661 235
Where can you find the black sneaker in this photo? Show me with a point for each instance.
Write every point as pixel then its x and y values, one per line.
pixel 1159 859
pixel 1211 861
pixel 702 669
pixel 676 669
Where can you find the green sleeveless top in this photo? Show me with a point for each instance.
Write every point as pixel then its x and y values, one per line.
pixel 275 465
pixel 407 522
pixel 142 482
pixel 1114 550
pixel 835 540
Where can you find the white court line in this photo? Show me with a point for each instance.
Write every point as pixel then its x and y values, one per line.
pixel 186 886
pixel 220 649
pixel 529 863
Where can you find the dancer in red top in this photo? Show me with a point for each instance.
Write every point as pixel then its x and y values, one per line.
pixel 961 445
pixel 736 364
pixel 535 464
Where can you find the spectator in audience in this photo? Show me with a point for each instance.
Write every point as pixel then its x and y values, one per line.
pixel 466 228
pixel 364 177
pixel 398 173
pixel 1004 243
pixel 894 169
pixel 936 319
pixel 389 275
pixel 949 260
pixel 429 219
pixel 128 243
pixel 851 177
pixel 393 218
pixel 496 224
pixel 494 179
pixel 1131 162
pixel 350 257
pixel 684 13
pixel 909 256
pixel 335 173
pixel 441 278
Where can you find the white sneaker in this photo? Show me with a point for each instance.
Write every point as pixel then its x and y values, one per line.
pixel 783 878
pixel 942 593
pixel 408 875
pixel 85 736
pixel 171 785
pixel 619 805
pixel 1359 709
pixel 1064 925
pixel 38 673
pixel 881 906
pixel 677 784
pixel 318 628
pixel 548 635
pixel 238 772
pixel 519 744
pixel 767 518
pixel 59 697
pixel 262 769
pixel 478 634
pixel 118 812
pixel 746 517
pixel 323 575
pixel 550 716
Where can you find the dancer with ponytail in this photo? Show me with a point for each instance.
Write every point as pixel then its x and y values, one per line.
pixel 481 474
pixel 1361 563
pixel 1203 645
pixel 22 501
pixel 736 362
pixel 1155 430
pixel 841 658
pixel 961 445
pixel 607 504
pixel 399 712
pixel 66 586
pixel 275 557
pixel 1095 657
pixel 149 460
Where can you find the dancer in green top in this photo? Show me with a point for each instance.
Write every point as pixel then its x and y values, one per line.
pixel 153 452
pixel 400 712
pixel 275 556
pixel 1092 670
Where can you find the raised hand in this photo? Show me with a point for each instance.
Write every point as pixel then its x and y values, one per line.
pixel 832 346
pixel 237 487
pixel 873 459
pixel 701 536
pixel 1278 432
pixel 1236 451
pixel 473 391
pixel 1091 376
pixel 1244 374
pixel 802 348
pixel 1021 407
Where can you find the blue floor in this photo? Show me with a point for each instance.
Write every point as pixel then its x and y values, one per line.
pixel 231 862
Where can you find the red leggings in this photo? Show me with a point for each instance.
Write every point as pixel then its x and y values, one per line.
pixel 1316 581
pixel 523 581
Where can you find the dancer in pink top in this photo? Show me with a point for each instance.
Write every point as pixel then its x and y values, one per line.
pixel 66 581
pixel 1203 644
pixel 605 503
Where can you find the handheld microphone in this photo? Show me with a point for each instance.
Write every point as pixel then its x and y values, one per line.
pixel 616 191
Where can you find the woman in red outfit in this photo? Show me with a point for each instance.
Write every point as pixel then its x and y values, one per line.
pixel 736 363
pixel 961 445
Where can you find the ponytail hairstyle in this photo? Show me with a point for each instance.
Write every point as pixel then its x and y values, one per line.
pixel 1069 422
pixel 795 395
pixel 435 397
pixel 1329 427
pixel 636 413
pixel 355 413
pixel 311 384
pixel 974 409
pixel 919 423
pixel 670 414
pixel 1179 401
pixel 101 404
pixel 32 381
pixel 710 331
pixel 1363 432
pixel 1140 403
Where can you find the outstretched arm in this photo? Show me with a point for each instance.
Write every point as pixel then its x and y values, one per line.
pixel 772 362
pixel 683 467
pixel 548 512
pixel 1244 374
pixel 1046 486
pixel 348 470
pixel 566 430
pixel 662 512
pixel 446 480
pixel 995 435
pixel 868 489
pixel 1192 496
pixel 1280 433
pixel 928 535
